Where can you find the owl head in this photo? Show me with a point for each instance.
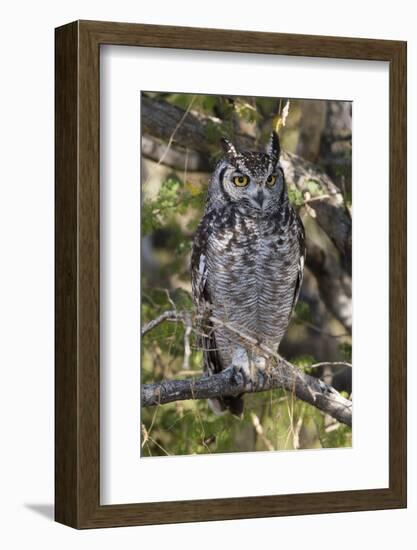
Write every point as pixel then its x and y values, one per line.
pixel 253 182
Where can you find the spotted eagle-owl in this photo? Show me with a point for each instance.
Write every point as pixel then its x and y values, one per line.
pixel 247 262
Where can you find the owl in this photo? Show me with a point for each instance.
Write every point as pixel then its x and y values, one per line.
pixel 246 264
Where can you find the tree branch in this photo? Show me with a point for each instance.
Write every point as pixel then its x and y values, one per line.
pixel 230 382
pixel 176 157
pixel 170 315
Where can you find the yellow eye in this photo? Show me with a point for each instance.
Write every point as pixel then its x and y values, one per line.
pixel 241 181
pixel 271 180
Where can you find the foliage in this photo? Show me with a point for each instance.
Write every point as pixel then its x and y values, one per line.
pixel 345 349
pixel 295 195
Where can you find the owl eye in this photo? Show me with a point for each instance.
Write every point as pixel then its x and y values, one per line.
pixel 241 181
pixel 272 178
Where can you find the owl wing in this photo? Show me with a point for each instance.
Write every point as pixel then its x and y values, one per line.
pixel 301 261
pixel 202 300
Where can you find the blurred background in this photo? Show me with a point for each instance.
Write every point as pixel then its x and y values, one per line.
pixel 180 146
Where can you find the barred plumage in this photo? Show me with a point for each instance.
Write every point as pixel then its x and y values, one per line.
pixel 247 260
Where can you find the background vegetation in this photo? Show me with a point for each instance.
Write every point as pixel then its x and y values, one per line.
pixel 176 163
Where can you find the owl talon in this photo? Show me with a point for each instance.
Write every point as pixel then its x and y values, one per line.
pixel 257 379
pixel 241 366
pixel 259 372
pixel 241 375
pixel 251 372
pixel 260 379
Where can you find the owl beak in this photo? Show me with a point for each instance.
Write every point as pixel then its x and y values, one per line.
pixel 259 199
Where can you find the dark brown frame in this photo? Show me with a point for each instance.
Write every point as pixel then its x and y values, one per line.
pixel 77 274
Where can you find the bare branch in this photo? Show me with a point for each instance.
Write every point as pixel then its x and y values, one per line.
pixel 260 431
pixel 331 364
pixel 171 315
pixel 187 346
pixel 297 431
pixel 229 382
pixel 177 157
pixel 314 327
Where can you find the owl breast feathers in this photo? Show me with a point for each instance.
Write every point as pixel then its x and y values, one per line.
pixel 247 262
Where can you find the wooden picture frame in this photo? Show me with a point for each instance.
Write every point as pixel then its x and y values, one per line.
pixel 77 382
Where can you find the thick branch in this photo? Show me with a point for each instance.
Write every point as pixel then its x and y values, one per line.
pixel 176 157
pixel 230 382
pixel 161 120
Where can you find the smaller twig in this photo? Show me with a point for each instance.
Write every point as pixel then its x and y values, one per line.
pixel 187 347
pixel 144 435
pixel 166 316
pixel 171 139
pixel 332 427
pixel 318 198
pixel 260 431
pixel 186 165
pixel 158 445
pixel 244 336
pixel 297 430
pixel 319 330
pixel 170 300
pixel 331 364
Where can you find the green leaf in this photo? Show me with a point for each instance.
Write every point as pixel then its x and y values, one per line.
pixel 303 361
pixel 345 350
pixel 314 187
pixel 303 311
pixel 295 195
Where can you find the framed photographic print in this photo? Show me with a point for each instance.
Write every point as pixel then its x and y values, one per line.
pixel 230 274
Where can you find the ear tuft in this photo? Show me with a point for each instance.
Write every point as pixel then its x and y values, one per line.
pixel 228 148
pixel 273 149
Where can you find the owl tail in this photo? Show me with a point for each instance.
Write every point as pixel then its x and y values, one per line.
pixel 232 404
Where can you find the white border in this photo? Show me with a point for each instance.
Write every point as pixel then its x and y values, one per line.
pixel 124 476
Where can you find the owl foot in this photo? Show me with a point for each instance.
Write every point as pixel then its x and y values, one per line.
pixel 241 366
pixel 252 371
pixel 258 372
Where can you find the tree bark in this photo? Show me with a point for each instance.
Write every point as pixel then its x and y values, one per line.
pixel 230 382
